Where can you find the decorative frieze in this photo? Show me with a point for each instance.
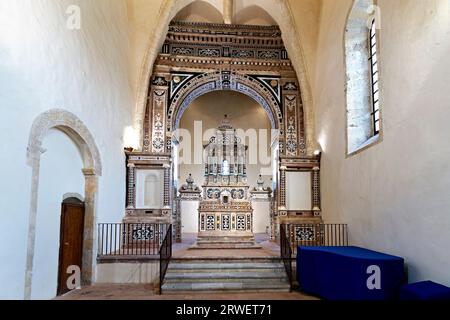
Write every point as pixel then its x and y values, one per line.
pixel 250 42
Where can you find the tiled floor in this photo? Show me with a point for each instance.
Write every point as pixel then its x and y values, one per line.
pixel 145 292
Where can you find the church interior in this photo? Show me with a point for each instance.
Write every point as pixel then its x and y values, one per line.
pixel 228 149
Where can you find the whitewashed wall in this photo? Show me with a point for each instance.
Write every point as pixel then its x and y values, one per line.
pixel 395 195
pixel 43 65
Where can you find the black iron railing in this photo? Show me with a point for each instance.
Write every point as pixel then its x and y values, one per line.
pixel 316 235
pixel 294 235
pixel 130 239
pixel 286 252
pixel 165 253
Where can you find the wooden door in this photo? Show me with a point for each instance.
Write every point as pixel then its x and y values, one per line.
pixel 71 240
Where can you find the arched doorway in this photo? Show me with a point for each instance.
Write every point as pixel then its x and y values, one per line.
pixel 197 126
pixel 63 158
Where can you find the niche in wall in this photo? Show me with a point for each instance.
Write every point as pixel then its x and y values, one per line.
pixel 298 190
pixel 149 188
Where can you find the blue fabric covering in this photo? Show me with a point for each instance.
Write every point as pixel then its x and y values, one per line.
pixel 425 290
pixel 340 273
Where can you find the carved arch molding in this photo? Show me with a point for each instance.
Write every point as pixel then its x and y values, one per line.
pixel 200 58
pixel 77 131
pixel 197 58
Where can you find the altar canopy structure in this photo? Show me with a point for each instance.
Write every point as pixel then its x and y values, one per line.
pixel 225 211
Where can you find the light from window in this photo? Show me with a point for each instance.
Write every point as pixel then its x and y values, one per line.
pixel 374 78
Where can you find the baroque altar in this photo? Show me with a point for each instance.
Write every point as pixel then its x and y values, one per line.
pixel 225 213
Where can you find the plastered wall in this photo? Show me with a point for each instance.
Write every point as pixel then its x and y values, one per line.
pixel 394 195
pixel 43 65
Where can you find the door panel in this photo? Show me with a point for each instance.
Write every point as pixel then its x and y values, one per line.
pixel 71 241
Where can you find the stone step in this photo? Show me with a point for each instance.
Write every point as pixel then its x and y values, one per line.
pixel 237 242
pixel 262 274
pixel 225 266
pixel 260 286
pixel 220 241
pixel 223 276
pixel 235 245
pixel 222 238
pixel 225 270
pixel 225 259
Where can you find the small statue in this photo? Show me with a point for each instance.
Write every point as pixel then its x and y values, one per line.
pixel 189 186
pixel 260 184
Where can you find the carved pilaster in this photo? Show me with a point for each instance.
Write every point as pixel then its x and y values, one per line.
pixel 282 192
pixel 316 189
pixel 166 186
pixel 294 124
pixel 131 194
pixel 177 220
pixel 158 99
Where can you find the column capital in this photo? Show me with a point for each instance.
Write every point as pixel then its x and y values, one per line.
pixel 88 171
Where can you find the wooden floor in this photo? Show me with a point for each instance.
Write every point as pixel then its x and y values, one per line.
pixel 145 292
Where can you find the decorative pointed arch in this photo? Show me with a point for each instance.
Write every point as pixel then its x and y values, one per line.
pixel 215 81
pixel 285 20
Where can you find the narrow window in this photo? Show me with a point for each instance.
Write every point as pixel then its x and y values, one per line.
pixel 374 78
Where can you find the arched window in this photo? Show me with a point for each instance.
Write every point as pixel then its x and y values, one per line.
pixel 362 77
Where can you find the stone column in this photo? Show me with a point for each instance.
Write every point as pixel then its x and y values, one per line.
pixel 91 181
pixel 228 11
pixel 189 200
pixel 261 211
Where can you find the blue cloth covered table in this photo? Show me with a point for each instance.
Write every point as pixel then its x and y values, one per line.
pixel 425 290
pixel 341 273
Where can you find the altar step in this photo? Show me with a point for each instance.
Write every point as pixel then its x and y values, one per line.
pixel 226 243
pixel 238 275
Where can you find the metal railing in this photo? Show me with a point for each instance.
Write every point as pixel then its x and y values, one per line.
pixel 165 253
pixel 130 239
pixel 294 235
pixel 286 252
pixel 316 235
